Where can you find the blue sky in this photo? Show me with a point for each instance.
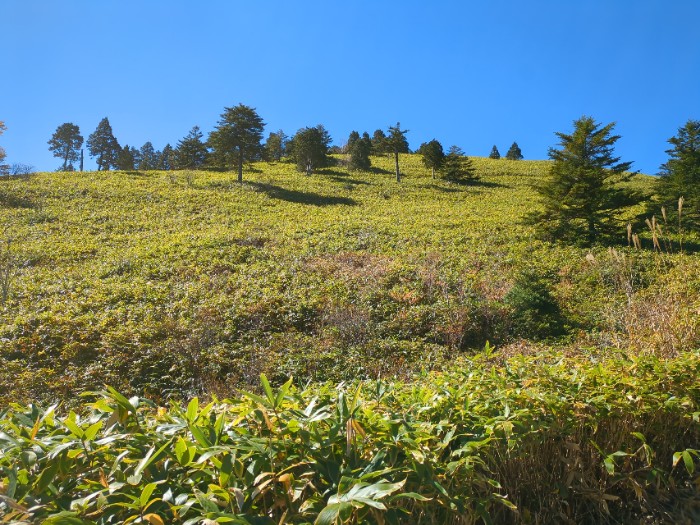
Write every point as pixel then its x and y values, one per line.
pixel 472 74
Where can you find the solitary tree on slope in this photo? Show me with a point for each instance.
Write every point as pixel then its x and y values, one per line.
pixel 65 144
pixel 514 152
pixel 102 145
pixel 396 143
pixel 582 198
pixel 237 137
pixel 433 155
pixel 680 174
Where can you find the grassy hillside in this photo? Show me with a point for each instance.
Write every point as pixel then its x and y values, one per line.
pixel 487 376
pixel 185 283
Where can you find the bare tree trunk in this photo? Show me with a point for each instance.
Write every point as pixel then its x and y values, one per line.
pixel 396 160
pixel 240 165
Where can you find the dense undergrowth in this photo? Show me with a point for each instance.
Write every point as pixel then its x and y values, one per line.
pixel 539 439
pixel 174 285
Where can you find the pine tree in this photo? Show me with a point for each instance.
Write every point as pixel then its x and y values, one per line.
pixel 514 152
pixel 191 152
pixel 359 149
pixel 237 137
pixel 104 146
pixel 275 146
pixel 352 138
pixel 65 144
pixel 127 159
pixel 582 198
pixel 148 157
pixel 680 174
pixel 166 159
pixel 396 143
pixel 378 142
pixel 433 155
pixel 309 148
pixel 457 167
pixel 495 154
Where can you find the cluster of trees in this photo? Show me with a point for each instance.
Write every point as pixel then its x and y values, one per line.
pixel 455 166
pixel 237 140
pixel 67 144
pixel 514 152
pixel 584 198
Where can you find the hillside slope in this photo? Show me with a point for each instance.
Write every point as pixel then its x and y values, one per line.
pixel 186 283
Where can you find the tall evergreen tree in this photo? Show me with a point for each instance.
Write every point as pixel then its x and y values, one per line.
pixel 166 158
pixel 359 149
pixel 352 138
pixel 680 174
pixel 582 198
pixel 127 159
pixel 396 143
pixel 309 148
pixel 457 167
pixel 148 157
pixel 191 152
pixel 237 136
pixel 65 144
pixel 495 154
pixel 276 146
pixel 102 145
pixel 433 155
pixel 378 142
pixel 514 152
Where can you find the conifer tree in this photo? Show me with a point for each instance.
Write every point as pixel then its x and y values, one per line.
pixel 378 142
pixel 275 146
pixel 166 158
pixel 127 159
pixel 457 167
pixel 148 157
pixel 236 139
pixel 396 143
pixel 433 155
pixel 359 149
pixel 102 145
pixel 514 152
pixel 582 198
pixel 680 174
pixel 495 154
pixel 191 152
pixel 352 138
pixel 65 144
pixel 309 148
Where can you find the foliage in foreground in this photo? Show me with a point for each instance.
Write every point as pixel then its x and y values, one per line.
pixel 519 440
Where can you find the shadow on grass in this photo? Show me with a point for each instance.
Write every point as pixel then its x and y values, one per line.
pixel 466 186
pixel 300 197
pixel 10 200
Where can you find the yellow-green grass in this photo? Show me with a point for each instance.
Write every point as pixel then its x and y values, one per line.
pixel 185 283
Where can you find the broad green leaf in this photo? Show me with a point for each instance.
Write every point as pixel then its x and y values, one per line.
pixel 192 410
pixel 334 514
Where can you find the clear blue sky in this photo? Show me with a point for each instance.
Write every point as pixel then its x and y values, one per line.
pixel 472 74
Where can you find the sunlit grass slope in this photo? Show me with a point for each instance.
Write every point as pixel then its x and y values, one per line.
pixel 186 282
